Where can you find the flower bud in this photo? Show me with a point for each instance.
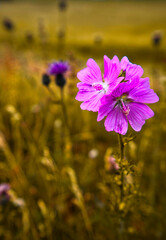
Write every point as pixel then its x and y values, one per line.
pixel 8 24
pixel 60 80
pixel 156 38
pixel 62 5
pixel 46 79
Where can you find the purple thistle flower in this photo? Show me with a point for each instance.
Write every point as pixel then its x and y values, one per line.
pixel 4 196
pixel 58 68
pixel 93 87
pixel 127 104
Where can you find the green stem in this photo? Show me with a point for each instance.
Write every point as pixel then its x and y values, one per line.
pixel 51 92
pixel 121 144
pixel 64 110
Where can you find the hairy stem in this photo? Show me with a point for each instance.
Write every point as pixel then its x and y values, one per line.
pixel 121 145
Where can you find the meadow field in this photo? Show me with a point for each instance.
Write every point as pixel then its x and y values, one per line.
pixel 54 156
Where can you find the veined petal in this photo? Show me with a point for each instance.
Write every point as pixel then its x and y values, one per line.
pixel 85 76
pixel 85 87
pixel 124 88
pixel 93 103
pixel 145 82
pixel 94 70
pixel 111 69
pixel 139 112
pixel 114 84
pixel 105 108
pixel 116 121
pixel 143 94
pixel 107 65
pixel 124 62
pixel 91 74
pixel 84 95
pixel 115 59
pixel 133 71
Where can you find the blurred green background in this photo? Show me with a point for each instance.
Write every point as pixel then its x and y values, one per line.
pixel 61 184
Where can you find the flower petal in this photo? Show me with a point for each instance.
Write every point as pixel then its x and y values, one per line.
pixel 139 112
pixel 91 74
pixel 124 88
pixel 94 70
pixel 111 69
pixel 85 95
pixel 124 62
pixel 93 103
pixel 115 59
pixel 133 71
pixel 116 121
pixel 107 104
pixel 114 84
pixel 85 76
pixel 85 87
pixel 143 94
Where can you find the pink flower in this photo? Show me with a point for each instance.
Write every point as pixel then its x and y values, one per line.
pixel 93 86
pixel 127 104
pixel 4 196
pixel 120 95
pixel 113 165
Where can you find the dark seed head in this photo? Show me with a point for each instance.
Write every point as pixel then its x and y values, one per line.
pixel 156 38
pixel 62 5
pixel 46 79
pixel 29 37
pixel 60 80
pixel 8 24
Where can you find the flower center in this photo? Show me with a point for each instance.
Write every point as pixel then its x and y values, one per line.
pixel 125 108
pixel 97 86
pixel 100 86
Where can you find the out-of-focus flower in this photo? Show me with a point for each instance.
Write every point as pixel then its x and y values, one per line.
pixel 19 202
pixel 156 38
pixel 29 37
pixel 129 179
pixel 98 39
pixel 93 87
pixel 60 80
pixel 4 196
pixel 10 109
pixel 16 117
pixel 58 69
pixel 111 165
pixel 46 79
pixel 8 24
pixel 127 104
pixel 36 108
pixel 62 5
pixel 58 123
pixel 93 153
